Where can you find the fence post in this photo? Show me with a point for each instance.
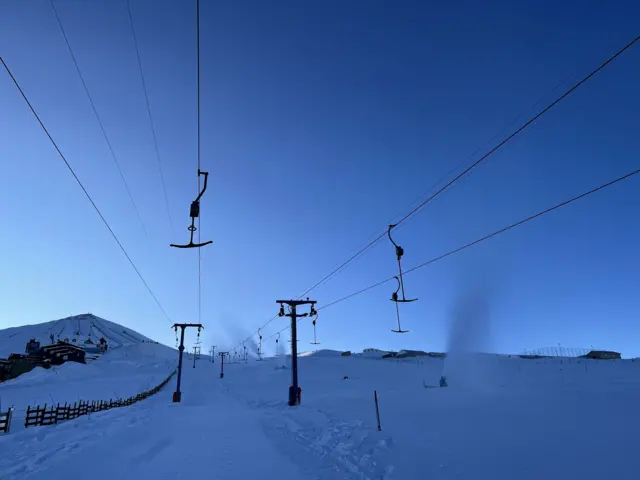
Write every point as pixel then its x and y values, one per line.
pixel 9 415
pixel 41 414
pixel 375 397
pixel 7 420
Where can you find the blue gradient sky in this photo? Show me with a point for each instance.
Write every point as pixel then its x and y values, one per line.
pixel 321 121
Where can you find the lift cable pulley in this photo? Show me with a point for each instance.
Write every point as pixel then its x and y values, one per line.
pixel 394 296
pixel 195 213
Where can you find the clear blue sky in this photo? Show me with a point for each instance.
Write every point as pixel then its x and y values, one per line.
pixel 321 121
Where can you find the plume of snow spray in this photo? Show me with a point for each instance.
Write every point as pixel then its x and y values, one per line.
pixel 230 335
pixel 469 336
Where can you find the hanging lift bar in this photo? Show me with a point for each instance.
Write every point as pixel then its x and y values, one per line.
pixel 195 213
pixel 394 296
pixel 315 341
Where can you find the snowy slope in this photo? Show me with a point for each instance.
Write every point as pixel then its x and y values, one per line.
pixel 501 418
pixel 78 327
pixel 132 364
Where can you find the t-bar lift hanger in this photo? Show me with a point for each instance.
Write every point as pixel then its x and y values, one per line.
pixel 195 213
pixel 315 341
pixel 394 295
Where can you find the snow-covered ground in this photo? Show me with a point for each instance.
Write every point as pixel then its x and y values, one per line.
pixel 501 418
pixel 131 365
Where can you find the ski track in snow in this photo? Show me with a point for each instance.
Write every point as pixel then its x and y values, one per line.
pixel 328 447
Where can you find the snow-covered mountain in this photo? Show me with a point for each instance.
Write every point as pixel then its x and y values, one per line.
pixel 76 329
pixel 132 364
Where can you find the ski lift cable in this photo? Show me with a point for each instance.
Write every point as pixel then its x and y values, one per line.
pixel 151 124
pixel 97 116
pixel 491 235
pixel 482 239
pixel 199 150
pixel 77 179
pixel 484 157
pixel 479 161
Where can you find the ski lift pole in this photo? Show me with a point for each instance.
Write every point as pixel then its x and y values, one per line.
pixel 222 355
pixel 294 389
pixel 177 395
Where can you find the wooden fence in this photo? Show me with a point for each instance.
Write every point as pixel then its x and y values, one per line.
pixel 51 415
pixel 5 420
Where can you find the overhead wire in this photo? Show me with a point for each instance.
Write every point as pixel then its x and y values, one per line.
pixel 434 186
pixel 457 167
pixel 199 151
pixel 98 118
pixel 152 125
pixel 479 161
pixel 468 169
pixel 77 179
pixel 482 239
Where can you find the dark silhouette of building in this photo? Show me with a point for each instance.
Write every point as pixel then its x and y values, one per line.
pixel 603 355
pixel 62 352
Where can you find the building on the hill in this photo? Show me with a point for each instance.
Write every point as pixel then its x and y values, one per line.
pixel 603 355
pixel 411 353
pixel 42 356
pixel 20 364
pixel 90 346
pixel 5 369
pixel 63 352
pixel 436 354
